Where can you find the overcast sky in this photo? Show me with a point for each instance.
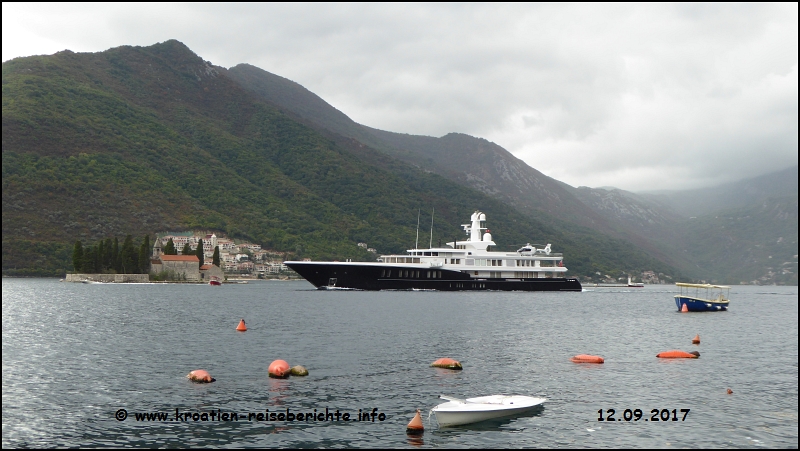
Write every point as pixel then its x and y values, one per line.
pixel 640 97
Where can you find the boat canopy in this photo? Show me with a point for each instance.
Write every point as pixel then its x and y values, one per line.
pixel 701 285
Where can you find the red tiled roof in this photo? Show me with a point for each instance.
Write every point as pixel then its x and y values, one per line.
pixel 180 258
pixel 205 267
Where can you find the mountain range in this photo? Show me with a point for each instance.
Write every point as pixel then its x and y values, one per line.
pixel 137 140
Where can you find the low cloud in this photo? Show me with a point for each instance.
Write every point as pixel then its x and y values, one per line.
pixel 635 96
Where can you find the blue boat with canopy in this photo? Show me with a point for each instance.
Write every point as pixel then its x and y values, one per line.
pixel 702 297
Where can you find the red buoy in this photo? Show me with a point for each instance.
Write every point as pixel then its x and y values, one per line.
pixel 415 426
pixel 241 327
pixel 684 308
pixel 696 339
pixel 279 369
pixel 730 392
pixel 586 358
pixel 448 363
pixel 200 376
pixel 675 354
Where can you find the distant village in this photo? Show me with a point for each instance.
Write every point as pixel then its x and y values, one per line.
pixel 646 277
pixel 243 259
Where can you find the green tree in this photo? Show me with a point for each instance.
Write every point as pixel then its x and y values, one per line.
pixel 108 261
pixel 88 260
pixel 169 248
pixel 199 252
pixel 215 258
pixel 97 259
pixel 115 260
pixel 101 251
pixel 77 256
pixel 128 257
pixel 187 250
pixel 144 256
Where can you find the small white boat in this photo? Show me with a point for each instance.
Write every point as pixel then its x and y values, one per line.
pixel 472 410
pixel 634 284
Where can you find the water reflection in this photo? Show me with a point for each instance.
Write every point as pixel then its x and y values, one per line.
pixel 415 440
pixel 279 390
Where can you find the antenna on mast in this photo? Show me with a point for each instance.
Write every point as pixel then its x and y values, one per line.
pixel 416 244
pixel 430 244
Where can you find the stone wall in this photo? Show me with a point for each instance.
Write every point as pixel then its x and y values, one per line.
pixel 214 271
pixel 109 278
pixel 188 271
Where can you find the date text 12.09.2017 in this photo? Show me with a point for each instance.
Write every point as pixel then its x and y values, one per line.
pixel 636 415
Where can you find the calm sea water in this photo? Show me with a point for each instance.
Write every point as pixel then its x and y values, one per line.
pixel 75 354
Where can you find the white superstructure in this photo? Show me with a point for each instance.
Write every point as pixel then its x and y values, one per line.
pixel 475 257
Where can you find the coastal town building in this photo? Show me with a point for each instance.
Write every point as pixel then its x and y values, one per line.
pixel 241 258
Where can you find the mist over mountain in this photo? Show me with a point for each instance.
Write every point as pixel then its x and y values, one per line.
pixel 137 140
pixel 740 194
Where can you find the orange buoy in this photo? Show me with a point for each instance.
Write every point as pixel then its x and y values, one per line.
pixel 684 308
pixel 586 358
pixel 279 369
pixel 415 426
pixel 696 339
pixel 241 327
pixel 730 392
pixel 675 354
pixel 200 376
pixel 448 363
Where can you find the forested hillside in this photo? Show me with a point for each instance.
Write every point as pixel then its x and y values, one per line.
pixel 136 140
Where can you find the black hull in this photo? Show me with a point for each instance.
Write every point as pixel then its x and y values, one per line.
pixel 374 278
